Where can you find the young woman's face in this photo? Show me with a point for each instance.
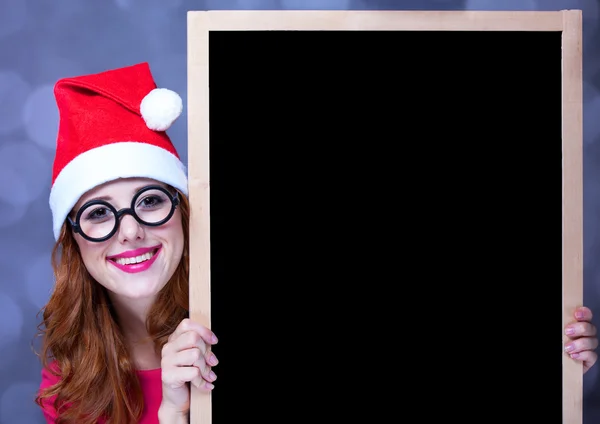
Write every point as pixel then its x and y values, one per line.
pixel 138 260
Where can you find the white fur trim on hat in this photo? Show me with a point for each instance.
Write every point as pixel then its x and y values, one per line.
pixel 107 163
pixel 160 108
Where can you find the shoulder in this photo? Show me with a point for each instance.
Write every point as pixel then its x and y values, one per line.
pixel 50 375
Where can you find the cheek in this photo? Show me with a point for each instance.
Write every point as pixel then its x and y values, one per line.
pixel 92 254
pixel 174 234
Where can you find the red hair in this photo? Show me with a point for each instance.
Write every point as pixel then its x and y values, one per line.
pixel 82 343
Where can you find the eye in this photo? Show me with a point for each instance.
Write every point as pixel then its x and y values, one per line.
pixel 151 201
pixel 98 213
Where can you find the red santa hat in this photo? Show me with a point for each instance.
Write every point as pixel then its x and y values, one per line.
pixel 112 125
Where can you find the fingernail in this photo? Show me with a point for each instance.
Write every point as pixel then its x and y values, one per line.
pixel 213 360
pixel 569 348
pixel 212 376
pixel 574 355
pixel 209 386
pixel 214 339
pixel 579 315
pixel 569 330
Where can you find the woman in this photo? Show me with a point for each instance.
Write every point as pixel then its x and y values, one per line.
pixel 117 345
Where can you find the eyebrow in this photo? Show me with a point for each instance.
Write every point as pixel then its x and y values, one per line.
pixel 108 198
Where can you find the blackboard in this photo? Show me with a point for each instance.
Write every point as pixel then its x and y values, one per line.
pixel 345 163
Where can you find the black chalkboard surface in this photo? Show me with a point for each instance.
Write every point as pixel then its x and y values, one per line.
pixel 367 196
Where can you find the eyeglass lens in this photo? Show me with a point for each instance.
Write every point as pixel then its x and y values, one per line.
pixel 98 219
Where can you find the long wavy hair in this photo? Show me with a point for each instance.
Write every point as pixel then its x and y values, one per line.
pixel 83 345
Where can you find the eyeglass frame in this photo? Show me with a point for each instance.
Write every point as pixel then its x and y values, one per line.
pixel 119 214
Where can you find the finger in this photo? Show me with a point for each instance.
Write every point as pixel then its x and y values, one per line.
pixel 205 369
pixel 189 358
pixel 188 325
pixel 176 377
pixel 211 358
pixel 186 340
pixel 182 358
pixel 581 344
pixel 181 328
pixel 206 374
pixel 588 357
pixel 580 329
pixel 202 384
pixel 583 313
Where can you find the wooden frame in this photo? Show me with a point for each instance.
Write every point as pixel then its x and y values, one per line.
pixel 569 22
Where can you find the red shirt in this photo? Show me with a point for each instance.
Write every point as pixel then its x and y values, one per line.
pixel 151 383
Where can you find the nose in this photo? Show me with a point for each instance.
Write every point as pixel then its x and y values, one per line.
pixel 130 229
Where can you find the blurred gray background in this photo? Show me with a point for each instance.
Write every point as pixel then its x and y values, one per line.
pixel 42 41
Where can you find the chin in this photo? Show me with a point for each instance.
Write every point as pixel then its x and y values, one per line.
pixel 143 289
pixel 136 286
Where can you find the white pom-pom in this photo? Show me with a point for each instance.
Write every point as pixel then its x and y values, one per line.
pixel 160 108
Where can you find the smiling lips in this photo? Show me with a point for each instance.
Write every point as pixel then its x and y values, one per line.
pixel 137 260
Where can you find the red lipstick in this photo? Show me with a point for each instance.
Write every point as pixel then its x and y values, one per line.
pixel 137 267
pixel 134 253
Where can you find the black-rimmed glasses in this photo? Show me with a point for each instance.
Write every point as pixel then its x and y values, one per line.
pixel 98 220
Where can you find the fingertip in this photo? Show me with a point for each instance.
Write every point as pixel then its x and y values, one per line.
pixel 583 313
